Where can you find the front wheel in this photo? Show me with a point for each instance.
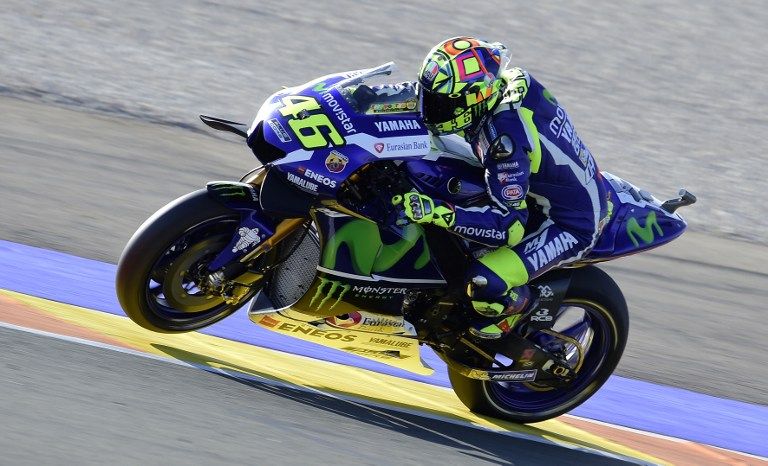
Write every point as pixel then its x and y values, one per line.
pixel 594 313
pixel 162 274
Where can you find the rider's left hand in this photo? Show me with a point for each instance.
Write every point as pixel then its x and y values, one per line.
pixel 420 208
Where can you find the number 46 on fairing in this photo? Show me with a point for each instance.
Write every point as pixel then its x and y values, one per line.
pixel 313 129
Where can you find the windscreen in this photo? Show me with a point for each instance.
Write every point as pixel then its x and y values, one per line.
pixel 381 99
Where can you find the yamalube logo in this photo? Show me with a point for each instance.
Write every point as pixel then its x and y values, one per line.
pixel 397 125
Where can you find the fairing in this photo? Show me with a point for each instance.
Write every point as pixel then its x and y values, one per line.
pixel 353 138
pixel 637 223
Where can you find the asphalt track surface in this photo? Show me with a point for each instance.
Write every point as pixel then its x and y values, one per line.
pixel 87 397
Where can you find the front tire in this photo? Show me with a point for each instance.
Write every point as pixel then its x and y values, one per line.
pixel 594 295
pixel 160 276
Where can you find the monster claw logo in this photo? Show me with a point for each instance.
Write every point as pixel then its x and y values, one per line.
pixel 325 293
pixel 635 231
pixel 234 190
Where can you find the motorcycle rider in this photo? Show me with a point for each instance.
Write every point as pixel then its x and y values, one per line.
pixel 530 152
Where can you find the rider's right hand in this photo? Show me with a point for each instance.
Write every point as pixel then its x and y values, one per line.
pixel 420 208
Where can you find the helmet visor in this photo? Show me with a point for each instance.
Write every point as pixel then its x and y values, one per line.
pixel 443 113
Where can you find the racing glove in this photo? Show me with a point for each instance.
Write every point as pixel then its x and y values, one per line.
pixel 420 208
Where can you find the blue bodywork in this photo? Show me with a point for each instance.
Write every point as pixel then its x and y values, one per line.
pixel 366 137
pixel 637 222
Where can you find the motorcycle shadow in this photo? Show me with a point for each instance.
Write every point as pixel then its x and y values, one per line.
pixel 525 444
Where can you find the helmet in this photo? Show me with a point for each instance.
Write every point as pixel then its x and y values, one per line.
pixel 460 81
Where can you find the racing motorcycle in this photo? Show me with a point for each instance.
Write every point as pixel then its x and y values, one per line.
pixel 312 239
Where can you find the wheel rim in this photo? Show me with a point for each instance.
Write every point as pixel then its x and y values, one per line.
pixel 176 288
pixel 593 327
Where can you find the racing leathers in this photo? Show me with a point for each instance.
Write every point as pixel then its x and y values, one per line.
pixel 547 200
pixel 530 152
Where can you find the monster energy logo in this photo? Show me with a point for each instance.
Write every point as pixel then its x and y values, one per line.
pixel 369 254
pixel 229 189
pixel 635 231
pixel 324 294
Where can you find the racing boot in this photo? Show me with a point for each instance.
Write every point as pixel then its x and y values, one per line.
pixel 500 316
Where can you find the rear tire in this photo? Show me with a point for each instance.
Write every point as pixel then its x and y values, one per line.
pixel 596 292
pixel 167 250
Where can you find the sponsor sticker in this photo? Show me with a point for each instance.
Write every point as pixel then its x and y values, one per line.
pixel 320 178
pixel 268 321
pixel 279 130
pixel 508 165
pixel 395 107
pixel 329 292
pixel 336 162
pixel 311 331
pixel 551 250
pixel 430 71
pixel 480 232
pixel 338 111
pixel 361 320
pixel 542 315
pixel 377 290
pixel 302 183
pixel 507 177
pixel 512 192
pixel 379 146
pixel 403 146
pixel 385 355
pixel 397 125
pixel 390 342
pixel 248 237
pixel 352 319
pixel 536 243
pixel 545 291
pixel 514 376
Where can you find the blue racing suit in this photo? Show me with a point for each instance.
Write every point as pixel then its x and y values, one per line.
pixel 546 162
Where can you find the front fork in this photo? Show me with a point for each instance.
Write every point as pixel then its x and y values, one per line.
pixel 256 234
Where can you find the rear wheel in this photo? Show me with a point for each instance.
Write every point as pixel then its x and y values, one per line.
pixel 162 274
pixel 594 313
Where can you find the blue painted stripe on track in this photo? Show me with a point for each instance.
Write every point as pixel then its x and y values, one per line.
pixel 632 403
